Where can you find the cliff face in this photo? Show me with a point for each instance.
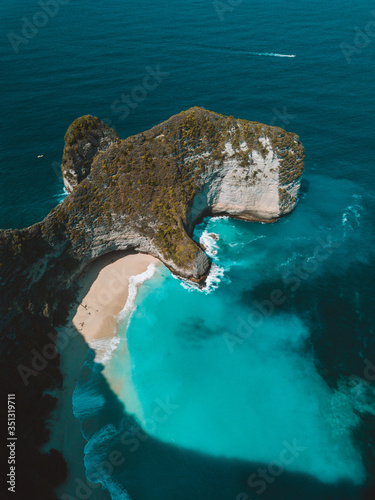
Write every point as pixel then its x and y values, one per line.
pixel 146 193
pixel 252 184
pixel 85 137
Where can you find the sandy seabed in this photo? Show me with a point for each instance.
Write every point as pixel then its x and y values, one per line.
pixel 103 293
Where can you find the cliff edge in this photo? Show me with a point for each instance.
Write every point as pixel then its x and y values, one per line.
pixel 145 193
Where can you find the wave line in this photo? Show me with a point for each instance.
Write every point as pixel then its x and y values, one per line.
pixel 271 54
pixel 239 51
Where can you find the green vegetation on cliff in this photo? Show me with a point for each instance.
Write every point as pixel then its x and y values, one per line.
pixel 133 194
pixel 149 180
pixel 79 128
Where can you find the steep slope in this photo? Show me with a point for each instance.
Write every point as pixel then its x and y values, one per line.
pixel 144 193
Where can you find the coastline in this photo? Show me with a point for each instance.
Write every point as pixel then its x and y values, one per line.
pixel 105 291
pixel 102 295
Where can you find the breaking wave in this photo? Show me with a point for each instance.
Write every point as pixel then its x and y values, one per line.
pixel 134 282
pixel 208 241
pixel 104 348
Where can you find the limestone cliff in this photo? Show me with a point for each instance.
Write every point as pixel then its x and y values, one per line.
pixel 145 193
pixel 85 137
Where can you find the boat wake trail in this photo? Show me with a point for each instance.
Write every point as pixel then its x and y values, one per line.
pixel 271 54
pixel 239 51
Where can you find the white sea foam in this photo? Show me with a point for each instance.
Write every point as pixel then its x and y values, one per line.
pixel 212 282
pixel 246 243
pixel 260 237
pixel 216 273
pixel 288 262
pixel 209 242
pixel 350 219
pixel 116 491
pixel 104 348
pixel 241 51
pixel 351 216
pixel 290 402
pixel 97 448
pixel 271 54
pixel 61 196
pixel 134 283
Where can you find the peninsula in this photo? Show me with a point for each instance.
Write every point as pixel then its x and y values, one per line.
pixel 142 194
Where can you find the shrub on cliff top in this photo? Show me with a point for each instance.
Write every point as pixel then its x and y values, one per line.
pixel 80 127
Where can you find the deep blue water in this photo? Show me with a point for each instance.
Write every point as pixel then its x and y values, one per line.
pixel 307 366
pixel 92 52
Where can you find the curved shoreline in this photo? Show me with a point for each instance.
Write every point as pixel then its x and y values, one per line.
pixel 149 205
pixel 97 314
pixel 102 295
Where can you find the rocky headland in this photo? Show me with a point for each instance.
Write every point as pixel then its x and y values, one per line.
pixel 143 194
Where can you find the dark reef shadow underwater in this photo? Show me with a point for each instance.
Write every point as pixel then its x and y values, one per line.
pixel 332 301
pixel 153 470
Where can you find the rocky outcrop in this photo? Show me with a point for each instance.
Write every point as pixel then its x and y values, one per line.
pixel 145 194
pixel 85 137
pixel 250 184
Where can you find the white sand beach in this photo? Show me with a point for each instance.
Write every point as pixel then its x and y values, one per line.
pixel 102 296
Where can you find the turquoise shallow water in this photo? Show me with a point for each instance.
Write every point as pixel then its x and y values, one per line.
pixel 241 375
pixel 237 372
pixel 306 371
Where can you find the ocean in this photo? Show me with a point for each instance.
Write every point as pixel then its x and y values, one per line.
pixel 261 384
